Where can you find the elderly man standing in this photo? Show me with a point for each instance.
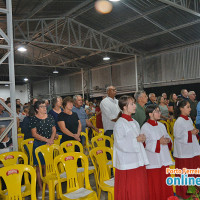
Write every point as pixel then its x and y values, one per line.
pixel 184 94
pixel 78 103
pixel 193 105
pixel 110 110
pixel 141 99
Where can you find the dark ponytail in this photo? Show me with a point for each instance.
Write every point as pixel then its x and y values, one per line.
pixel 177 108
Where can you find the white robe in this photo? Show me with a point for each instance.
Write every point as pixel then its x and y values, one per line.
pixel 128 153
pixel 153 134
pixel 183 149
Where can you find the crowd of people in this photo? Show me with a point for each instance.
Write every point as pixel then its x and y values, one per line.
pixel 141 142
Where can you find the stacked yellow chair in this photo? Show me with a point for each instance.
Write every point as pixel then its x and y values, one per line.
pixel 20 138
pixel 57 141
pixel 88 146
pixel 100 141
pixel 28 143
pixel 74 191
pixel 99 159
pixel 101 132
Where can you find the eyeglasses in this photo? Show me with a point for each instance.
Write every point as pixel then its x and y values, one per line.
pixel 157 111
pixel 113 89
pixel 42 106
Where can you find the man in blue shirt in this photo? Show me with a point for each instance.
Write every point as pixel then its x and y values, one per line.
pixel 152 99
pixel 78 102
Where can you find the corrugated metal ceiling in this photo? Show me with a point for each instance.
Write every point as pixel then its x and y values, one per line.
pixel 146 25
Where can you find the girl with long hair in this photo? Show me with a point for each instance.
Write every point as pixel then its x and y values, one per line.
pixel 129 157
pixel 186 146
pixel 157 147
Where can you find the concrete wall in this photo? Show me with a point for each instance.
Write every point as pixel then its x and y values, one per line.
pixel 20 92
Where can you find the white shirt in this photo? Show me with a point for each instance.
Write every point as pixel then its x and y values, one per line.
pixel 153 134
pixel 128 153
pixel 183 149
pixel 109 110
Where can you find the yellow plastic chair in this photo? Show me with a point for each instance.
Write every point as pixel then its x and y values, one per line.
pixel 101 132
pixel 57 141
pixel 12 176
pixel 12 158
pixel 49 178
pixel 19 131
pixel 20 138
pixel 172 122
pixel 166 126
pixel 88 146
pixel 74 191
pixel 93 120
pixel 69 146
pixel 27 148
pixel 99 159
pixel 100 141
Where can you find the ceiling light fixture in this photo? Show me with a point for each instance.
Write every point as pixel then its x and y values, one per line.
pixel 26 79
pixel 106 58
pixel 6 85
pixel 103 6
pixel 22 49
pixel 55 71
pixel 114 0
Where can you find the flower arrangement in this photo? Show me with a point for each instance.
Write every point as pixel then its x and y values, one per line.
pixel 194 191
pixel 173 198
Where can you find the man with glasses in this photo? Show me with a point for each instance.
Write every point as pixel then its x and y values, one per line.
pixel 110 110
pixel 193 105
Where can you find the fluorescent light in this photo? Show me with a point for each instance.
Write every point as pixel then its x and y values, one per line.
pixel 6 85
pixel 114 0
pixel 25 79
pixel 55 72
pixel 106 58
pixel 22 49
pixel 1 38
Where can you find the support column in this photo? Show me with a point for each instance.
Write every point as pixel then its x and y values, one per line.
pixel 82 83
pixel 136 74
pixel 10 55
pixel 51 87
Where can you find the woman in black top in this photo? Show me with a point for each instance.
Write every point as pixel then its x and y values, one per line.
pixel 26 126
pixel 172 103
pixel 69 122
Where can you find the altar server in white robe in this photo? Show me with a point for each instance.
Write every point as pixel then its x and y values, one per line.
pixel 157 146
pixel 186 145
pixel 129 157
